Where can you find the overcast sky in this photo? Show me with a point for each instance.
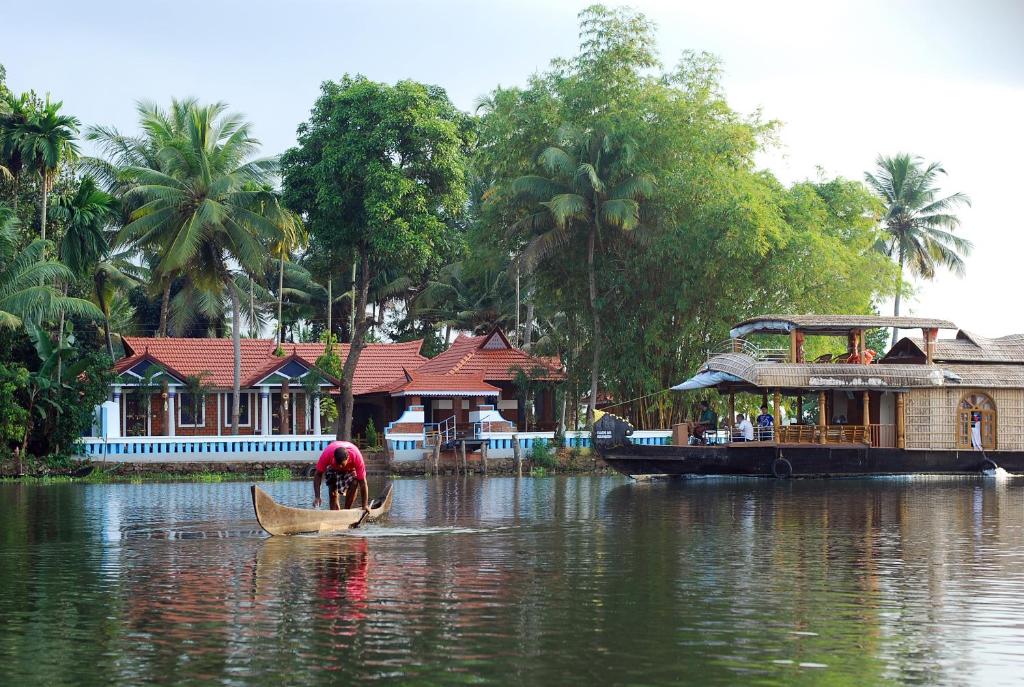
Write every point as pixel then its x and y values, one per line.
pixel 848 80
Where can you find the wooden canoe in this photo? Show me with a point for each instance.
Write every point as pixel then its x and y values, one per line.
pixel 278 519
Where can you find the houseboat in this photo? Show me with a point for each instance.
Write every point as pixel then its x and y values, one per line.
pixel 948 401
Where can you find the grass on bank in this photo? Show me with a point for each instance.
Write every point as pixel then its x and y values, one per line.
pixel 113 476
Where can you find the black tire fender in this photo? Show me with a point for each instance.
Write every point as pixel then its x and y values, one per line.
pixel 782 468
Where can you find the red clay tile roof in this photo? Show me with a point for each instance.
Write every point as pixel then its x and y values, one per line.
pixel 189 357
pixel 470 355
pixel 378 363
pixel 424 383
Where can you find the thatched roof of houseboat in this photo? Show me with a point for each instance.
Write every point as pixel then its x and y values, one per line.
pixel 832 324
pixel 988 376
pixel 768 375
pixel 970 347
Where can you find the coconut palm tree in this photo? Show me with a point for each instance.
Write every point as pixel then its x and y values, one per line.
pixel 120 152
pixel 461 302
pixel 292 236
pixel 589 191
pixel 207 210
pixel 26 276
pixel 918 221
pixel 45 140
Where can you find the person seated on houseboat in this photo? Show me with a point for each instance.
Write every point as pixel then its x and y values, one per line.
pixel 744 430
pixel 345 470
pixel 707 422
pixel 765 425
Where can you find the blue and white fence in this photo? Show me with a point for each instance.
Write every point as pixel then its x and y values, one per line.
pixel 205 449
pixel 408 447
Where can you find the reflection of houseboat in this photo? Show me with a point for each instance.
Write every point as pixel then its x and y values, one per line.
pixel 930 405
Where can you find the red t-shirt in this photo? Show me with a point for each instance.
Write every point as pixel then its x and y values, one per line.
pixel 356 463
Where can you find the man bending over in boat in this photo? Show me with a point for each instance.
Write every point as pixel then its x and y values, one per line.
pixel 343 466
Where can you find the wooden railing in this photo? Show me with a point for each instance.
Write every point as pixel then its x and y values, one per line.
pixel 878 436
pixel 883 436
pixel 833 434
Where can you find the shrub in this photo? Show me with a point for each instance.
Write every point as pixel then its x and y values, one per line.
pixel 542 454
pixel 277 475
pixel 372 439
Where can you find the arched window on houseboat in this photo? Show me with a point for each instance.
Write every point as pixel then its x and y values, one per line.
pixel 976 421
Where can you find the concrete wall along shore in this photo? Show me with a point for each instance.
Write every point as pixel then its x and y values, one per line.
pixel 282 449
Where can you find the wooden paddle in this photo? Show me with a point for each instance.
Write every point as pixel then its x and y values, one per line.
pixel 360 521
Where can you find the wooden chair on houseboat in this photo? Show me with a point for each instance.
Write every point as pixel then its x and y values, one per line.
pixel 825 358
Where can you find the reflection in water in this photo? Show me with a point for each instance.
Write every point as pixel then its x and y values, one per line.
pixel 912 581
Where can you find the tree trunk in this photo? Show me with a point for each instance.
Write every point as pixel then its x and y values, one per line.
pixel 528 328
pixel 330 306
pixel 165 306
pixel 42 210
pixel 352 301
pixel 596 360
pixel 101 298
pixel 280 300
pixel 519 339
pixel 899 292
pixel 358 342
pixel 236 344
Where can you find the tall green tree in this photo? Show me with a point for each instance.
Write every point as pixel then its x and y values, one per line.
pixel 46 140
pixel 592 193
pixel 919 221
pixel 85 247
pixel 208 210
pixel 161 129
pixel 379 174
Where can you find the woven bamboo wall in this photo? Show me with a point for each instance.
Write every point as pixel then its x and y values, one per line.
pixel 931 416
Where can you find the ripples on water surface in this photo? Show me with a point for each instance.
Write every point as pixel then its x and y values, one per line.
pixel 546 581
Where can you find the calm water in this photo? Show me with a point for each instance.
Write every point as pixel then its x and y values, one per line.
pixel 542 581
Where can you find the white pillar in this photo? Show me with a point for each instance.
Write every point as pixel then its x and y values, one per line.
pixel 112 420
pixel 316 416
pixel 265 411
pixel 171 395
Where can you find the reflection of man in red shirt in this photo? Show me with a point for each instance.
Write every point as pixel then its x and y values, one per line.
pixel 344 586
pixel 343 466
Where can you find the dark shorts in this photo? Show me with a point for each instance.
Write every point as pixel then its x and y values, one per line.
pixel 339 481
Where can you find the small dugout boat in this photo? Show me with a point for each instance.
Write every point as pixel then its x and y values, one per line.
pixel 277 519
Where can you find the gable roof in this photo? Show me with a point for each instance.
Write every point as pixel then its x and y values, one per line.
pixel 416 383
pixel 967 347
pixel 489 357
pixel 191 357
pixel 378 362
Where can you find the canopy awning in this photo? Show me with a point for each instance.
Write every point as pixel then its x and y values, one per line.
pixel 703 380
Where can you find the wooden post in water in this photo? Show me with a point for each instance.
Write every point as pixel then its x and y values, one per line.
pixel 822 414
pixel 483 456
pixel 517 452
pixel 437 452
pixel 901 420
pixel 462 457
